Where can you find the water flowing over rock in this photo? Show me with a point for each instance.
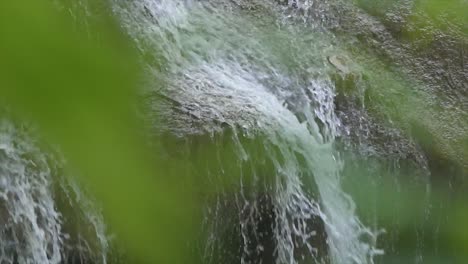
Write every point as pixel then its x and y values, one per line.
pixel 280 92
pixel 212 80
pixel 33 192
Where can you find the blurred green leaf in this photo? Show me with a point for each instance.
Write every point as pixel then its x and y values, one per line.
pixel 80 89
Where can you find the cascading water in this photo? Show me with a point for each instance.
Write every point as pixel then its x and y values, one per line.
pixel 30 223
pixel 32 226
pixel 263 100
pixel 217 76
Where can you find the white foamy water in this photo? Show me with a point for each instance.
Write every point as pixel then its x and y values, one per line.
pixel 220 67
pixel 32 227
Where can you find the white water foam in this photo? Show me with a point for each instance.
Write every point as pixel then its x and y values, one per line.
pixel 219 72
pixel 31 225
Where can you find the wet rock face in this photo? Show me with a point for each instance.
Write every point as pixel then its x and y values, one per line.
pixel 359 128
pixel 435 58
pixel 247 234
pixel 393 31
pixel 259 245
pixel 246 4
pixel 340 63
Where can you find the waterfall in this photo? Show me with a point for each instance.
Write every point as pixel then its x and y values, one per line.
pixel 222 70
pixel 33 192
pixel 278 131
pixel 257 78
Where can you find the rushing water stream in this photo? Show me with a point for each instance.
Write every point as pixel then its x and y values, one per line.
pixel 260 80
pixel 221 73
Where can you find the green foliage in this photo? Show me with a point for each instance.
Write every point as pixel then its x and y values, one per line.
pixel 80 91
pixel 402 201
pixel 78 82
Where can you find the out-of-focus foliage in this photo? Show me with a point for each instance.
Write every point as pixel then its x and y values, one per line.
pixel 79 86
pixel 419 218
pixel 78 82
